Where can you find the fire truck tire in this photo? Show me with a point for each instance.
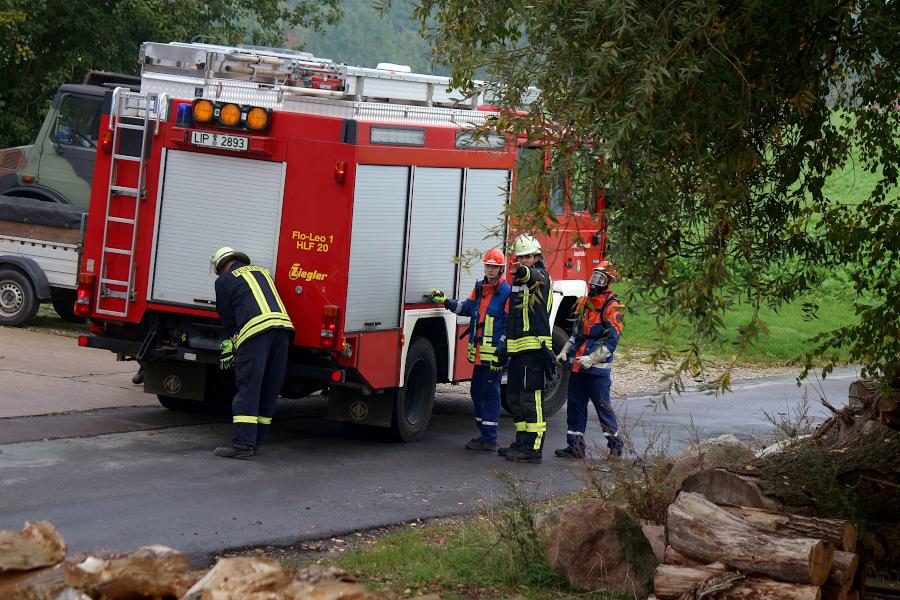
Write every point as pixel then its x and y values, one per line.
pixel 413 402
pixel 17 298
pixel 555 397
pixel 178 404
pixel 64 305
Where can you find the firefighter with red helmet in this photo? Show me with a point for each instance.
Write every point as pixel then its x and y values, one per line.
pixel 529 343
pixel 486 309
pixel 593 340
pixel 258 333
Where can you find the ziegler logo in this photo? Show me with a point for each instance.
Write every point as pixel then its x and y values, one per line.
pixel 297 272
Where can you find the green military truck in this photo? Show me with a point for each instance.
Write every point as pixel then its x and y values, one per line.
pixel 44 191
pixel 59 165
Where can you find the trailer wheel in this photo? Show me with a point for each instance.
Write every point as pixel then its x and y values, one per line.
pixel 17 298
pixel 554 397
pixel 64 305
pixel 414 401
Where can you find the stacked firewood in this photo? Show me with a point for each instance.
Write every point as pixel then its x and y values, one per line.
pixel 741 553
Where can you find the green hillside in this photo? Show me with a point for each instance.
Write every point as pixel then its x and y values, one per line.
pixel 365 38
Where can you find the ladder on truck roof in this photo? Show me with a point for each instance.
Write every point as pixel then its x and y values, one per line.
pixel 130 111
pixel 300 82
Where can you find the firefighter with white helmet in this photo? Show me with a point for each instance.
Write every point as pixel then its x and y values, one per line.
pixel 258 333
pixel 529 342
pixel 594 340
pixel 486 309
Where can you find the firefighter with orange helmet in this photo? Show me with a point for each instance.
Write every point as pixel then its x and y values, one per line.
pixel 258 333
pixel 590 351
pixel 486 309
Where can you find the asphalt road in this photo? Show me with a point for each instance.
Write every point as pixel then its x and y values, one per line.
pixel 126 476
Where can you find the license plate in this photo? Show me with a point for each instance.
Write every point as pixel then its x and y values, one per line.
pixel 222 141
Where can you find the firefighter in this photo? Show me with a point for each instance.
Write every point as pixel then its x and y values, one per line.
pixel 486 309
pixel 529 343
pixel 258 332
pixel 594 340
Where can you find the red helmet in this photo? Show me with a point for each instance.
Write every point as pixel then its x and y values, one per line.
pixel 609 269
pixel 494 257
pixel 603 275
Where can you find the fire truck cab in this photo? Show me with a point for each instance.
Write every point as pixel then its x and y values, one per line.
pixel 357 188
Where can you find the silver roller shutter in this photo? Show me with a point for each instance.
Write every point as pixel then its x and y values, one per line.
pixel 207 202
pixel 434 231
pixel 483 218
pixel 376 248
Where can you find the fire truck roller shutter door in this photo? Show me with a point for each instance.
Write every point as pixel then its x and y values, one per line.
pixel 486 194
pixel 375 278
pixel 209 201
pixel 434 231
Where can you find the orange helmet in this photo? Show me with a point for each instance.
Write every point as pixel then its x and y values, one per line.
pixel 494 257
pixel 608 268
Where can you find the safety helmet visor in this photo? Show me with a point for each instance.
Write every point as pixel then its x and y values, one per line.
pixel 599 278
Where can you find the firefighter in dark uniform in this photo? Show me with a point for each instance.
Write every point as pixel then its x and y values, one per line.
pixel 258 333
pixel 486 309
pixel 529 342
pixel 594 340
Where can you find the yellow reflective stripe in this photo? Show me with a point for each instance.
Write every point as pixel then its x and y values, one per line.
pixel 257 292
pixel 527 276
pixel 245 419
pixel 526 323
pixel 265 420
pixel 539 406
pixel 550 295
pixel 520 426
pixel 540 426
pixel 274 291
pixel 470 352
pixel 261 323
pixel 488 327
pixel 531 342
pixel 535 427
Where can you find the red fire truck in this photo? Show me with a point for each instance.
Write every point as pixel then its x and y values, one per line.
pixel 355 187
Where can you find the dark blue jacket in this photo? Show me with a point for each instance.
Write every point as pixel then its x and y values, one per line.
pixel 248 303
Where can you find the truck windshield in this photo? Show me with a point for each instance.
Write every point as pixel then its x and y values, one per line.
pixel 78 122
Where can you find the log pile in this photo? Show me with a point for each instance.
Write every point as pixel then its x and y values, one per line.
pixel 738 552
pixel 33 566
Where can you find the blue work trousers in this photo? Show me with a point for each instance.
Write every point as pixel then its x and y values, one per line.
pixel 486 399
pixel 593 388
pixel 259 367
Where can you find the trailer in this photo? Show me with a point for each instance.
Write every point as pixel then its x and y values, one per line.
pixel 39 249
pixel 357 188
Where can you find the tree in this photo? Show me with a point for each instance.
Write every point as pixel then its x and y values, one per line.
pixel 718 122
pixel 44 43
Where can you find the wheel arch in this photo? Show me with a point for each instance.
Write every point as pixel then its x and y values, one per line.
pixel 32 271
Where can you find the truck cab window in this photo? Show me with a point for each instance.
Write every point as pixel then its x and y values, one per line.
pixel 78 122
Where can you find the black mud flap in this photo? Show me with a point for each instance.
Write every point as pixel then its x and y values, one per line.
pixel 176 379
pixel 348 405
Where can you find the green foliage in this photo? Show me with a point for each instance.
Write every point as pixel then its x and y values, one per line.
pixel 44 43
pixel 367 36
pixel 719 124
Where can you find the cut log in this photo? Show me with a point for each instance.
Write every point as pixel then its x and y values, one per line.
pixel 843 568
pixel 724 487
pixel 834 592
pixel 674 557
pixel 148 572
pixel 670 582
pixel 697 527
pixel 37 545
pixel 842 534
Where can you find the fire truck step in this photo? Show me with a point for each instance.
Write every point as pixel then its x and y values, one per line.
pixel 117 251
pixel 114 313
pixel 123 191
pixel 120 220
pixel 127 157
pixel 130 126
pixel 114 282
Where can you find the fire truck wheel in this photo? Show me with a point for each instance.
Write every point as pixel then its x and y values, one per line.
pixel 414 401
pixel 17 298
pixel 554 397
pixel 64 305
pixel 178 404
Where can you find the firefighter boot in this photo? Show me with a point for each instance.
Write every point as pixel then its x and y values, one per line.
pixel 235 451
pixel 477 444
pixel 569 452
pixel 514 446
pixel 525 455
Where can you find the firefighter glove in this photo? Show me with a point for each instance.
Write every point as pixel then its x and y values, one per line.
pixel 585 362
pixel 563 356
pixel 438 297
pixel 226 358
pixel 521 273
pixel 500 358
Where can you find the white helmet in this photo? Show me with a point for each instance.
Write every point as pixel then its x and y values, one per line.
pixel 526 245
pixel 221 257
